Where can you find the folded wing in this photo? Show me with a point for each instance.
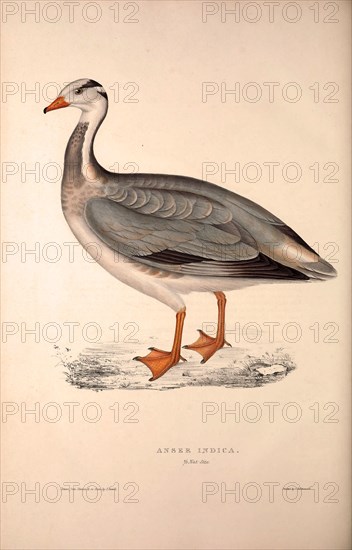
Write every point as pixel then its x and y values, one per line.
pixel 182 233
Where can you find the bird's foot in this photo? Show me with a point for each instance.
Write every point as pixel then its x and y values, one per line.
pixel 160 361
pixel 207 345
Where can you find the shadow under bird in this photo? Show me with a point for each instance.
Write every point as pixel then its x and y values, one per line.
pixel 173 234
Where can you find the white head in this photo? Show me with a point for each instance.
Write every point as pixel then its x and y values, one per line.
pixel 86 94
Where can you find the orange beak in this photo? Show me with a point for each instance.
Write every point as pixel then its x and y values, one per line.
pixel 58 103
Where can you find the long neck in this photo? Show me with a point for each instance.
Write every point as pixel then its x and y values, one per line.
pixel 79 155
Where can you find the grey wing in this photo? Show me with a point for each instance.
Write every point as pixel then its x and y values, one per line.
pixel 179 232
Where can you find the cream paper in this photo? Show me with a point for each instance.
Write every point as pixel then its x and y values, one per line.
pixel 255 97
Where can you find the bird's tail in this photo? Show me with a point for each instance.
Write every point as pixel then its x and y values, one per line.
pixel 291 250
pixel 320 270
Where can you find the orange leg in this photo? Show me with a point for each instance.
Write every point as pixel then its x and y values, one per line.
pixel 160 361
pixel 207 345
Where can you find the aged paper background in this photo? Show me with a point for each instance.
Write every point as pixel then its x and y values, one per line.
pixel 153 58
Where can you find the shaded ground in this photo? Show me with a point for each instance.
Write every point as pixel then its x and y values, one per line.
pixel 110 366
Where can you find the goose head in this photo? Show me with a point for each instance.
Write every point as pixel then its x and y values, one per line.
pixel 85 94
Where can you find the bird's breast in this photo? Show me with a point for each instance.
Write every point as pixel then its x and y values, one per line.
pixel 74 199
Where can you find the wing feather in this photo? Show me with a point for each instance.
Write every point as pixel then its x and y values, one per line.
pixel 202 206
pixel 192 246
pixel 164 204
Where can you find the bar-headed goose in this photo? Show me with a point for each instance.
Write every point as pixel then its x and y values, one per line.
pixel 171 234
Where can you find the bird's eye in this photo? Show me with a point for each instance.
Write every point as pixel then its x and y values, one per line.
pixel 79 91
